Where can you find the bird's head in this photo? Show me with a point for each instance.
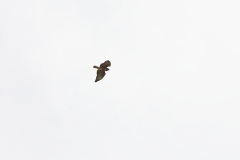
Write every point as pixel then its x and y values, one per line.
pixel 106 69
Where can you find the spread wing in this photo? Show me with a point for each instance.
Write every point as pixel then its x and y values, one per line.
pixel 100 75
pixel 106 64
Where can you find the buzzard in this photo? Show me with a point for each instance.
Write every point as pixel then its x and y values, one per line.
pixel 101 70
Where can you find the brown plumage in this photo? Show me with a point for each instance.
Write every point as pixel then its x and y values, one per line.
pixel 101 70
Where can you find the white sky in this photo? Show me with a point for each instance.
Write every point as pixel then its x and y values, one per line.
pixel 172 92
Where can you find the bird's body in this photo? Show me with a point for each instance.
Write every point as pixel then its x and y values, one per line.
pixel 101 70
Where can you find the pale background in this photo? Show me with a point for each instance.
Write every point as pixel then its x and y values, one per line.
pixel 172 92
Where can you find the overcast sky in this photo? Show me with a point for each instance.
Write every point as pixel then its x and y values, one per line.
pixel 172 92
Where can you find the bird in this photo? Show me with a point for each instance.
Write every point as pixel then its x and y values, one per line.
pixel 101 70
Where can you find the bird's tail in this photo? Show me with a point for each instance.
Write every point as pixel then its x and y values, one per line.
pixel 95 67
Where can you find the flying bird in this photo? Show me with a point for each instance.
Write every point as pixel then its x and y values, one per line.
pixel 101 70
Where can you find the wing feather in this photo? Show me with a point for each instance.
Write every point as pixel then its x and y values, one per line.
pixel 106 64
pixel 100 75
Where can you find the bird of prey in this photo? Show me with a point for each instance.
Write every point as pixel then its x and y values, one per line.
pixel 101 70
